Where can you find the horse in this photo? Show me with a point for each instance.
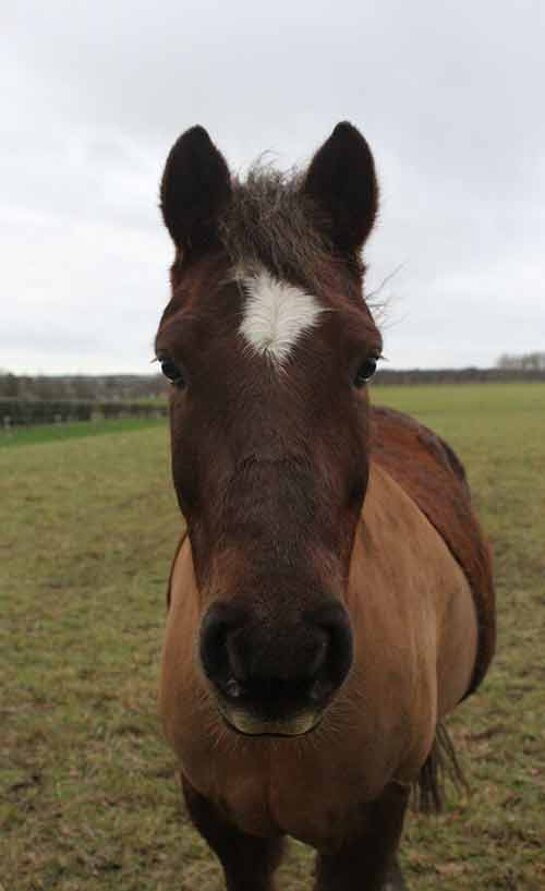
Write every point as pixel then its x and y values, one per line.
pixel 331 600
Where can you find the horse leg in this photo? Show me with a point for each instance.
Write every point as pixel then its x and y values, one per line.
pixel 367 862
pixel 248 862
pixel 394 879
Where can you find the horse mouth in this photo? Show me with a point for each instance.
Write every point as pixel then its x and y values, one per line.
pixel 246 724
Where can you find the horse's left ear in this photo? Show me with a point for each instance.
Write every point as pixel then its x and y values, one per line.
pixel 195 187
pixel 342 183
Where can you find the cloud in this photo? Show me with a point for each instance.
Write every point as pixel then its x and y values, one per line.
pixel 94 94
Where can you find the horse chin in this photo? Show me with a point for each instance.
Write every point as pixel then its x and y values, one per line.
pixel 246 724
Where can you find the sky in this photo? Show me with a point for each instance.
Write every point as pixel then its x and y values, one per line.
pixel 449 95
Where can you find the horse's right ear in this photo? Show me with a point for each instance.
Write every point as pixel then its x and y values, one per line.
pixel 195 187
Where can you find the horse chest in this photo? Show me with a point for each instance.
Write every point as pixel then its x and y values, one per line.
pixel 311 789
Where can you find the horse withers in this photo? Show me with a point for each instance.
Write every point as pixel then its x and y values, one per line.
pixel 332 599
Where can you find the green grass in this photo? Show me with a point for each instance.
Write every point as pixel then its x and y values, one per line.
pixel 89 798
pixel 51 432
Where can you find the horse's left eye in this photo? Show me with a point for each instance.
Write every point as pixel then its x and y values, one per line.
pixel 365 372
pixel 172 372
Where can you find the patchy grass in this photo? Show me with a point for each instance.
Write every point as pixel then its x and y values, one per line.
pixel 89 799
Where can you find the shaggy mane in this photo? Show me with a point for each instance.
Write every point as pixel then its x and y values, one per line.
pixel 270 222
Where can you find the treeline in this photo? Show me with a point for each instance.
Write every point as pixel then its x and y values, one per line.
pixel 457 375
pixel 527 362
pixel 50 399
pixel 103 387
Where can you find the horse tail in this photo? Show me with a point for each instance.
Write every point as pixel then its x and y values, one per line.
pixel 440 768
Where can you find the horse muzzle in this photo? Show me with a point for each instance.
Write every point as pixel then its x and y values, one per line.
pixel 273 675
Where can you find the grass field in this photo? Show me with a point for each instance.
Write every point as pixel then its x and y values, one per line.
pixel 89 798
pixel 52 432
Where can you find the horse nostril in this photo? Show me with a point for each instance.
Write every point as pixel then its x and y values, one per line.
pixel 337 659
pixel 237 658
pixel 320 690
pixel 320 655
pixel 213 650
pixel 233 688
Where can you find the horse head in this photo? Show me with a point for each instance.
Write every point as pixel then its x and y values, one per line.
pixel 269 345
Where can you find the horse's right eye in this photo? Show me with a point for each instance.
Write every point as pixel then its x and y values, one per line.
pixel 173 372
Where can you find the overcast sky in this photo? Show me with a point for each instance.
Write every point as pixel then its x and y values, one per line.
pixel 449 95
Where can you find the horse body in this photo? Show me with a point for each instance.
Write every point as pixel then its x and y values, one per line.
pixel 332 600
pixel 415 633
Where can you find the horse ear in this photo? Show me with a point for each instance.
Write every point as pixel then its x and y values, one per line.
pixel 341 181
pixel 196 185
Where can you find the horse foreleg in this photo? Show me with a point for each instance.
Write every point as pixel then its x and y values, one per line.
pixel 394 879
pixel 367 862
pixel 248 862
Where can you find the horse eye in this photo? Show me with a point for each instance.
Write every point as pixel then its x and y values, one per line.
pixel 172 372
pixel 365 372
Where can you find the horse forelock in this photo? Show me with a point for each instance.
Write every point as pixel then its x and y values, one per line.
pixel 270 222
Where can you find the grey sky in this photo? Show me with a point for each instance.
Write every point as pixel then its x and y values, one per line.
pixel 449 95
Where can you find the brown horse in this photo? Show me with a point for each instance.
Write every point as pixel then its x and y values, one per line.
pixel 332 600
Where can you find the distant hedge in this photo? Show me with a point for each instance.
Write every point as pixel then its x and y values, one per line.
pixel 25 412
pixel 391 376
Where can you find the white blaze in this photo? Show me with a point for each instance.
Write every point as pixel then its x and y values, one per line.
pixel 276 315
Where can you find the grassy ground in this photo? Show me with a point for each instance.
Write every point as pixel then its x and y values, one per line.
pixel 52 432
pixel 89 798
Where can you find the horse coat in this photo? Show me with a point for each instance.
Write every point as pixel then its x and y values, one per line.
pixel 421 605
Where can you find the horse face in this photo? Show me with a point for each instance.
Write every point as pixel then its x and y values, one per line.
pixel 269 344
